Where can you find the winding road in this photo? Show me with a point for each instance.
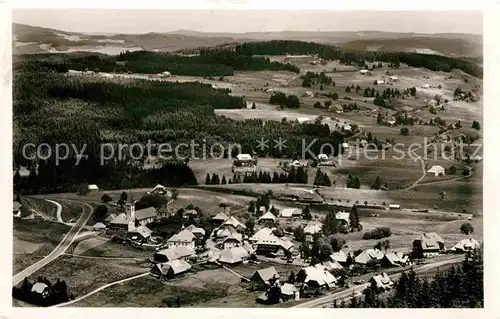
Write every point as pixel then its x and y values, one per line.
pixel 61 247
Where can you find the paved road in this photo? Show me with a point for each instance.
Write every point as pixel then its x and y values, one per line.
pixel 359 288
pixel 60 249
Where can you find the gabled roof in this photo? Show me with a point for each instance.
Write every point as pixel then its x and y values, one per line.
pixel 145 213
pixel 290 212
pixel 220 216
pixel 175 253
pixel 93 187
pixel 339 256
pixel 17 206
pixel 436 169
pixel 195 230
pixel 393 259
pixel 466 244
pixel 261 233
pixel 383 281
pixel 232 221
pixel 99 225
pixel 39 287
pixel 244 157
pixel 234 237
pixel 266 274
pixel 158 186
pixel 288 289
pixel 183 236
pixel 312 228
pixel 367 255
pixel 268 216
pixel 430 241
pixel 121 219
pixel 191 212
pixel 319 276
pixel 342 216
pixel 178 266
pixel 328 266
pixel 275 241
pixel 143 231
pixel 233 255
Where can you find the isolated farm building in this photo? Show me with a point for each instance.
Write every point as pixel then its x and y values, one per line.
pixel 145 216
pixel 220 218
pixel 425 86
pixel 296 164
pixel 260 234
pixel 267 217
pixel 165 74
pixel 431 103
pixel 476 158
pixel 466 245
pixel 339 256
pixel 170 269
pixel 184 238
pixel 322 157
pixel 140 233
pixel 162 190
pixel 222 232
pixel 343 217
pixel 391 121
pixel 289 292
pixel 347 127
pixel 274 246
pixel 303 120
pixel 364 71
pixel 437 170
pixel 382 281
pixel 120 221
pixel 290 212
pixel 233 240
pixel 232 221
pixel 41 289
pixel 244 157
pixel 110 217
pixel 190 212
pixel 93 187
pixel 316 278
pixel 369 255
pixel 394 206
pixel 197 231
pixel 428 244
pixel 311 229
pixel 393 78
pixel 98 226
pixel 264 278
pixel 172 253
pixel 379 82
pixel 16 208
pixel 345 145
pixel 233 255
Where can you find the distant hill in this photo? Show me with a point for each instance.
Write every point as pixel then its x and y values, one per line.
pixel 32 39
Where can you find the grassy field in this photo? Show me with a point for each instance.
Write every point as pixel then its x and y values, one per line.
pixel 33 240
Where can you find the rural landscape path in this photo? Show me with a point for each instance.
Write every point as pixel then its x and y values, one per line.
pixel 359 288
pixel 58 210
pixel 60 249
pixel 101 288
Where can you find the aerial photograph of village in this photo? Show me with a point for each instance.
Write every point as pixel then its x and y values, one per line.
pixel 237 159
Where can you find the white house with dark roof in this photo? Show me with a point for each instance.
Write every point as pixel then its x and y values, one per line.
pixel 173 253
pixel 170 269
pixel 41 289
pixel 140 233
pixel 274 245
pixel 244 157
pixel 184 238
pixel 291 212
pixel 267 217
pixel 437 170
pixel 232 221
pixel 343 217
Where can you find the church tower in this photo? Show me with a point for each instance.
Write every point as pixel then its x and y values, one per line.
pixel 130 211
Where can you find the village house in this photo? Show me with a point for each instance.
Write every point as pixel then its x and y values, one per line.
pixel 139 234
pixel 391 121
pixel 393 78
pixel 234 255
pixel 379 82
pixel 466 245
pixel 260 234
pixel 343 218
pixel 233 222
pixel 329 266
pixel 345 145
pixel 220 218
pixel 316 278
pixel 383 282
pixel 303 120
pixel 197 231
pixel 364 71
pixel 98 226
pixel 394 206
pixel 322 158
pixel 369 255
pixel 244 158
pixel 274 246
pixel 263 278
pixel 337 108
pixel 311 229
pixel 291 212
pixel 347 127
pixel 233 240
pixel 437 170
pixel 17 209
pixel 173 253
pixel 339 256
pixel 393 260
pixel 267 218
pixel 164 74
pixel 170 269
pixel 184 238
pixel 289 292
pixel 40 289
pixel 428 244
pixel 426 86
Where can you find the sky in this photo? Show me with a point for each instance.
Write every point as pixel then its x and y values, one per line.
pixel 238 21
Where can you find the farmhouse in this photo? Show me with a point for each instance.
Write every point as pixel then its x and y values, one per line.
pixel 311 229
pixel 41 289
pixel 263 278
pixel 303 120
pixel 466 245
pixel 184 238
pixel 93 188
pixel 379 82
pixel 17 208
pixel 393 78
pixel 273 245
pixel 197 231
pixel 364 71
pixel 140 233
pixel 340 257
pixel 426 86
pixel 172 253
pixel 98 226
pixel 368 255
pixel 394 206
pixel 345 145
pixel 391 121
pixel 267 217
pixel 428 244
pixel 382 281
pixel 391 260
pixel 260 234
pixel 289 292
pixel 437 170
pixel 233 255
pixel 164 74
pixel 329 266
pixel 316 278
pixel 343 217
pixel 290 212
pixel 322 158
pixel 232 221
pixel 220 218
pixel 170 269
pixel 244 157
pixel 347 127
pixel 233 240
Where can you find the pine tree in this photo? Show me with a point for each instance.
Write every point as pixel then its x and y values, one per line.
pixel 276 178
pixel 207 179
pixel 318 179
pixel 326 180
pixel 223 182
